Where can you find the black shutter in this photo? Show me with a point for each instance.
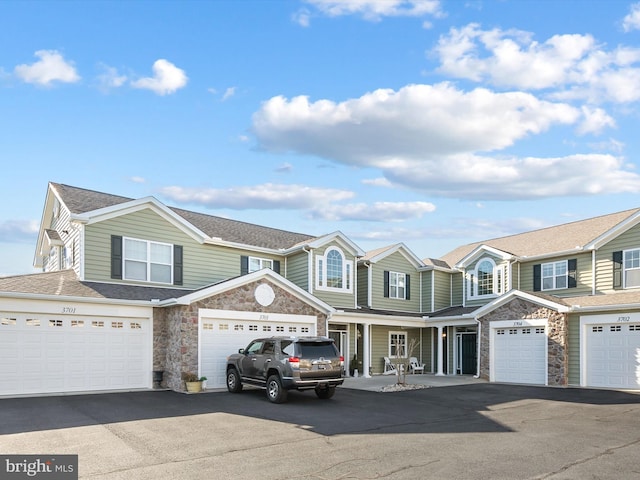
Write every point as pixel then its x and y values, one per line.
pixel 537 277
pixel 276 266
pixel 407 287
pixel 244 265
pixel 177 265
pixel 386 284
pixel 116 257
pixel 572 276
pixel 617 269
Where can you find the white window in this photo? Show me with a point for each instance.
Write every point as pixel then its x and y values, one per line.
pixel 632 268
pixel 148 261
pixel 487 279
pixel 397 285
pixel 256 264
pixel 397 344
pixel 333 271
pixel 554 275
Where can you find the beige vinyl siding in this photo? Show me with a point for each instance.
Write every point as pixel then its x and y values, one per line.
pixel 70 236
pixel 363 285
pixel 297 270
pixel 336 298
pixel 604 260
pixel 395 262
pixel 573 341
pixel 443 297
pixel 584 277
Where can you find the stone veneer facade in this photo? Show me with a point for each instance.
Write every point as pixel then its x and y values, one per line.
pixel 175 342
pixel 557 340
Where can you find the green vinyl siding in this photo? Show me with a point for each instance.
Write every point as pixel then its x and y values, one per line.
pixel 427 284
pixel 457 289
pixel 443 290
pixel 604 265
pixel 336 298
pixel 363 285
pixel 396 262
pixel 202 264
pixel 573 342
pixel 380 344
pixel 298 270
pixel 584 275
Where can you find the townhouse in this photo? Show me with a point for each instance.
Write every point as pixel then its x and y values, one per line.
pixel 134 292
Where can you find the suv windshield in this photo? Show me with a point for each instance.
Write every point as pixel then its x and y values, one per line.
pixel 318 349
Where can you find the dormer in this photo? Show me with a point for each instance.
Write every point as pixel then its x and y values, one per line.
pixel 487 273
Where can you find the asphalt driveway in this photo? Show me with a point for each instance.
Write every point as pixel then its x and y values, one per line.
pixel 471 431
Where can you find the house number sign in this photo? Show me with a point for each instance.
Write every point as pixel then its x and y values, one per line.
pixel 68 309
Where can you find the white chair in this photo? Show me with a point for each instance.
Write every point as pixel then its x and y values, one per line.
pixel 389 368
pixel 415 366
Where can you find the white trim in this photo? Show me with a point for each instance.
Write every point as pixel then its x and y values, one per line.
pixel 481 251
pixel 348 273
pixel 607 319
pixel 517 323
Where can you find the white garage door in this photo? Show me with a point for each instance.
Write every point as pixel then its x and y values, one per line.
pixel 42 354
pixel 222 337
pixel 520 355
pixel 613 355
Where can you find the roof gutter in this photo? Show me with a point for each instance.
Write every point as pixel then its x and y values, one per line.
pixel 64 298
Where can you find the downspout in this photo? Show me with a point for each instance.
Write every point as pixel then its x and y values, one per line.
pixel 478 343
pixel 369 284
pixel 433 291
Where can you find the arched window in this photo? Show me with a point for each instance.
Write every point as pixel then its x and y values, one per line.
pixel 485 277
pixel 334 271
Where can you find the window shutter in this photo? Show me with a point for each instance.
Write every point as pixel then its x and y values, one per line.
pixel 116 257
pixel 407 287
pixel 537 277
pixel 244 265
pixel 177 265
pixel 572 276
pixel 276 266
pixel 617 269
pixel 386 284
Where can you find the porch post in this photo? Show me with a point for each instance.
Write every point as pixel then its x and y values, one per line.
pixel 366 347
pixel 440 352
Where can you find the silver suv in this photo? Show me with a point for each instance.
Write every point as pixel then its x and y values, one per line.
pixel 279 364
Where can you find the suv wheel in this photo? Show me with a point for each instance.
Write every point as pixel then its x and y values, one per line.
pixel 325 393
pixel 234 385
pixel 275 392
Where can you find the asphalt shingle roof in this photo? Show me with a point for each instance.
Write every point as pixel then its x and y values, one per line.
pixel 66 284
pixel 80 200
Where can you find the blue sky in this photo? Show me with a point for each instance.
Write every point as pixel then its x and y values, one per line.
pixel 432 123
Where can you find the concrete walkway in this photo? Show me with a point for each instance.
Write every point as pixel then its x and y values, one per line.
pixel 376 382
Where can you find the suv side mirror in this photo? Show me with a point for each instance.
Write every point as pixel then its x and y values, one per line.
pixel 241 350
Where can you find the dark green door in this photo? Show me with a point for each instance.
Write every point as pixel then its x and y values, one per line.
pixel 469 353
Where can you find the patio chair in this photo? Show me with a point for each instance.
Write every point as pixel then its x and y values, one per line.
pixel 415 366
pixel 389 368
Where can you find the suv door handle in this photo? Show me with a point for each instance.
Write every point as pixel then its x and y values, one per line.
pixel 267 360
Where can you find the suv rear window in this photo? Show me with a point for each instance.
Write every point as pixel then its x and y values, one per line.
pixel 318 349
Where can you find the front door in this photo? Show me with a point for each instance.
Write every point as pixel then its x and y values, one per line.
pixel 467 353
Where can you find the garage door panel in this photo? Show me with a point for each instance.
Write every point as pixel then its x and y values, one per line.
pixel 222 337
pixel 520 355
pixel 42 355
pixel 612 355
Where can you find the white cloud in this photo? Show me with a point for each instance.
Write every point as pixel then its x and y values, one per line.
pixel 228 93
pixel 573 66
pixel 52 67
pixel 18 230
pixel 167 78
pixel 390 129
pixel 302 17
pixel 595 120
pixel 137 179
pixel 376 212
pixel 374 10
pixel 445 142
pixel 110 78
pixel 285 168
pixel 262 197
pixel 632 20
